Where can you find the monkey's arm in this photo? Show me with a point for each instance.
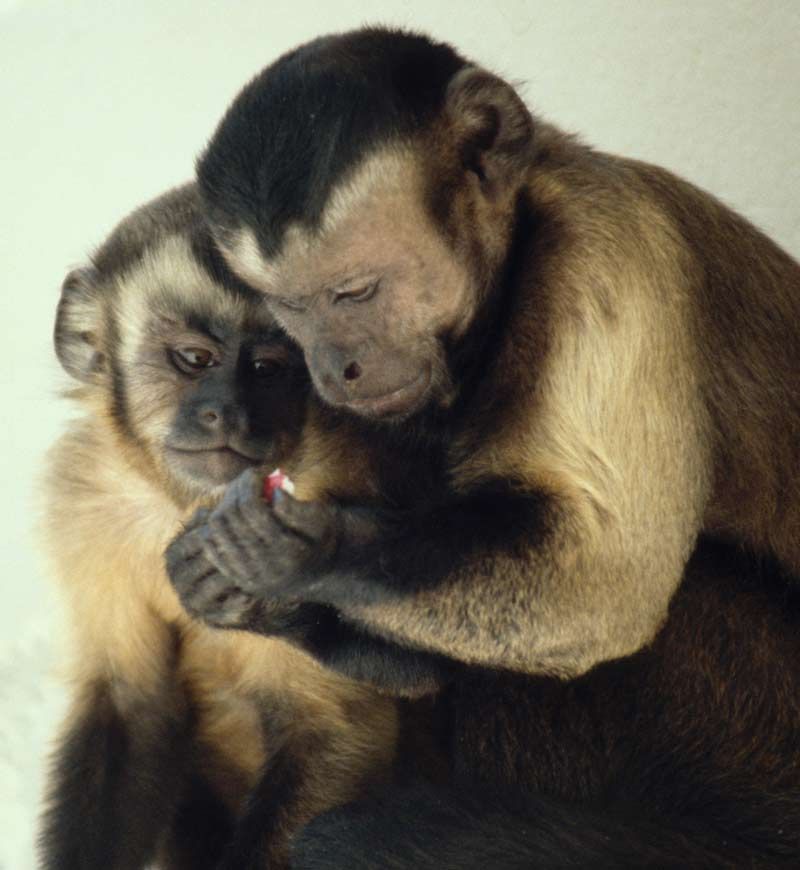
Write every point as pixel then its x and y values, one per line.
pixel 498 577
pixel 391 571
pixel 368 658
pixel 219 600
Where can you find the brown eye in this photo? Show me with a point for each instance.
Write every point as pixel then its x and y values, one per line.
pixel 192 359
pixel 266 367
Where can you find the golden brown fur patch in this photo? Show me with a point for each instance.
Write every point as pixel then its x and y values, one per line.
pixel 107 528
pixel 110 511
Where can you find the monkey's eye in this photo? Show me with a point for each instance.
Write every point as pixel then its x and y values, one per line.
pixel 359 295
pixel 190 360
pixel 266 367
pixel 291 304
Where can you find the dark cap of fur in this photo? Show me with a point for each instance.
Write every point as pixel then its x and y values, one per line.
pixel 176 212
pixel 303 122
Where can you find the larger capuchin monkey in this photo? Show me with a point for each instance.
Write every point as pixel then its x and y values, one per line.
pixel 599 360
pixel 186 743
pixel 602 359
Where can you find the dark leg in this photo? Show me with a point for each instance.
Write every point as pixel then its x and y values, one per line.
pixel 201 830
pixel 115 782
pixel 261 838
pixel 311 771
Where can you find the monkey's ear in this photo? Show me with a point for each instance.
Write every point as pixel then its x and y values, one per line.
pixel 77 334
pixel 492 126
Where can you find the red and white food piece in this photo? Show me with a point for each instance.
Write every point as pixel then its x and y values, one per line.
pixel 275 481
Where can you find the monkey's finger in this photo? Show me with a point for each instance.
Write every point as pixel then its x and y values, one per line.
pixel 264 558
pixel 276 553
pixel 259 537
pixel 228 544
pixel 230 536
pixel 314 521
pixel 217 550
pixel 239 556
pixel 186 577
pixel 208 596
pixel 183 550
pixel 242 528
pixel 273 545
pixel 248 486
pixel 187 542
pixel 245 540
pixel 198 518
pixel 243 513
pixel 230 609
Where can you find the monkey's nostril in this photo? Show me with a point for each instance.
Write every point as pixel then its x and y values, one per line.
pixel 352 372
pixel 210 417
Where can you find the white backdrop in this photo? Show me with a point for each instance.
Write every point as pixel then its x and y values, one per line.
pixel 104 104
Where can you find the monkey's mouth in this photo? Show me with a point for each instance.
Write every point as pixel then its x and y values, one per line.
pixel 397 403
pixel 212 465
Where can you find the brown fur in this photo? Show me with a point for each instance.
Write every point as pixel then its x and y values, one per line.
pixel 642 380
pixel 703 723
pixel 111 508
pixel 626 380
pixel 686 754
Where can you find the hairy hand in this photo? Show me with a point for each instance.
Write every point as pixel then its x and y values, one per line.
pixel 262 549
pixel 206 593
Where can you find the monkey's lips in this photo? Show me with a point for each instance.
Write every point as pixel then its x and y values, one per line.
pixel 213 465
pixel 397 403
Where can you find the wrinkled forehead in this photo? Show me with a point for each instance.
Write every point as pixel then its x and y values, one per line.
pixel 374 215
pixel 168 286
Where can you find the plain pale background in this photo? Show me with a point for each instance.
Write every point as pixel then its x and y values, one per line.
pixel 105 104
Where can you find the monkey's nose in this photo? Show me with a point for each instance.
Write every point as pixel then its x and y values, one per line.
pixel 352 372
pixel 210 416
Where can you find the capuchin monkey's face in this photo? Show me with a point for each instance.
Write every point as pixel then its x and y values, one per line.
pixel 227 396
pixel 372 297
pixel 369 186
pixel 197 375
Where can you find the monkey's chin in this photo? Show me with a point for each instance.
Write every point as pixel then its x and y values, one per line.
pixel 397 405
pixel 208 468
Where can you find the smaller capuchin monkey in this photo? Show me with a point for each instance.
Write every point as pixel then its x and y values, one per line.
pixel 185 745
